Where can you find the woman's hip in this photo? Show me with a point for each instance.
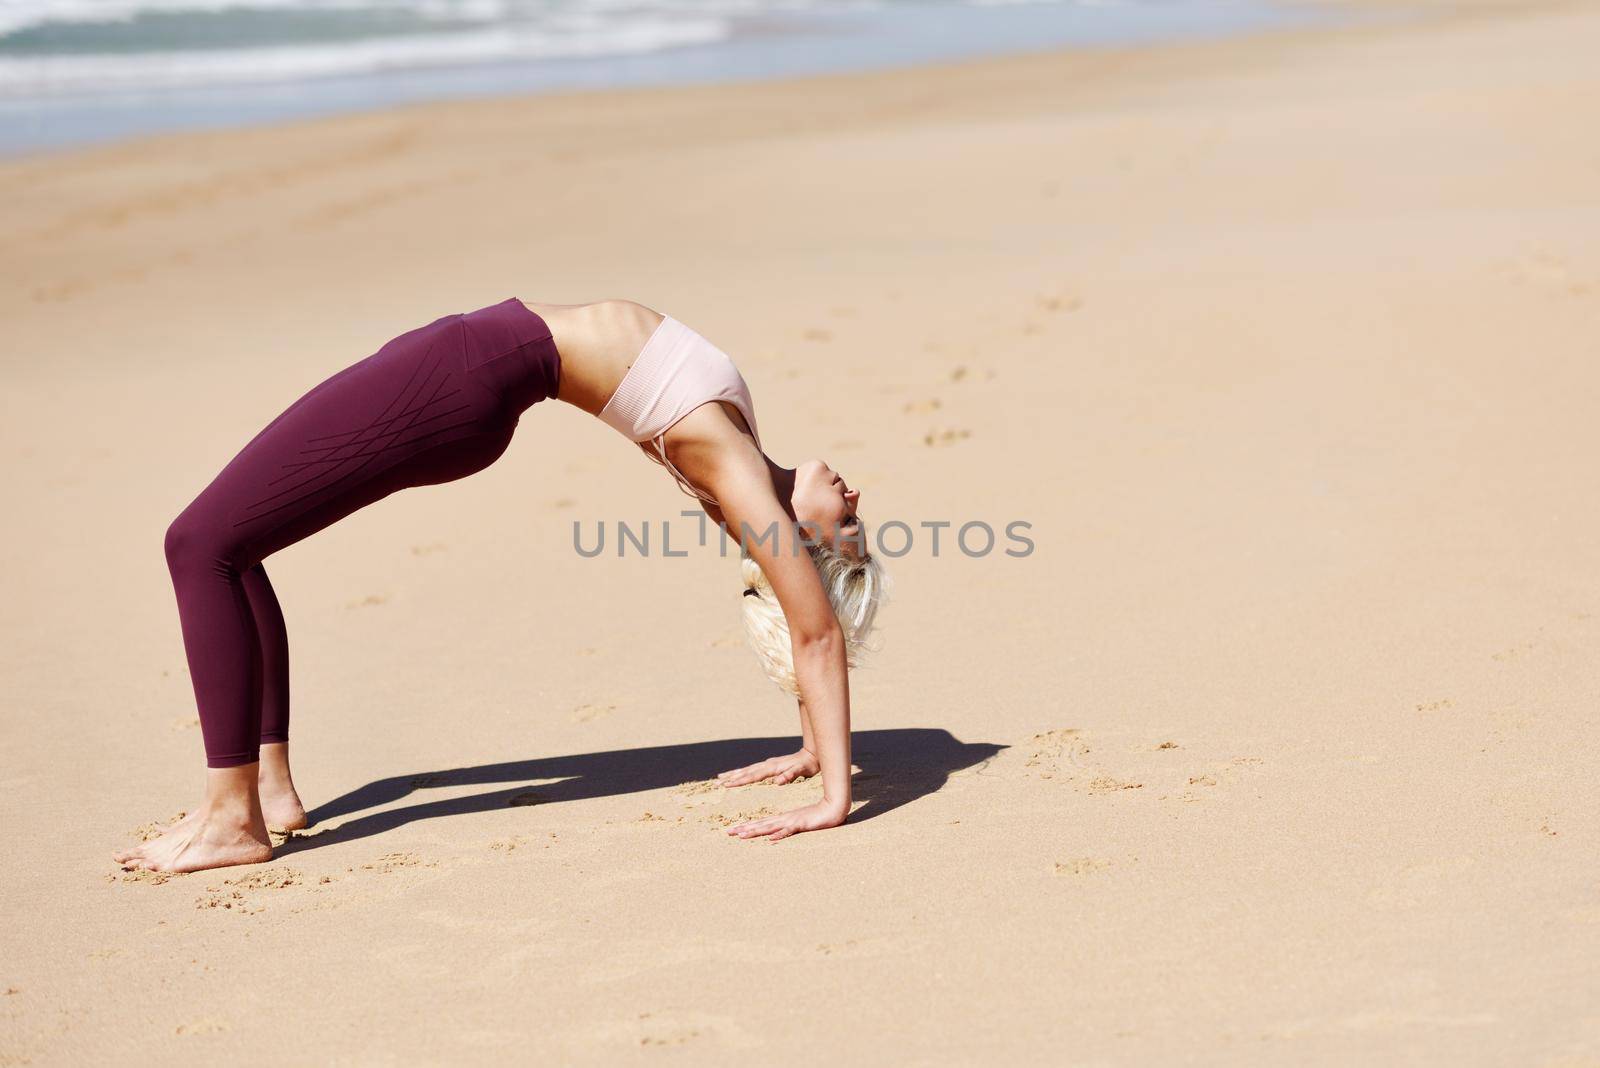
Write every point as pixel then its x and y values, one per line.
pixel 421 410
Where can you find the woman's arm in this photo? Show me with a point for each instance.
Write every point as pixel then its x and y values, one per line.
pixel 781 769
pixel 754 516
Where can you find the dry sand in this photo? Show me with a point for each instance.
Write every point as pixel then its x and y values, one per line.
pixel 1280 748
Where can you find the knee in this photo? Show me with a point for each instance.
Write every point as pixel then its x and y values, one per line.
pixel 193 539
pixel 182 536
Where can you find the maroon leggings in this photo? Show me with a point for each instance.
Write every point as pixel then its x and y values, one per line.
pixel 435 404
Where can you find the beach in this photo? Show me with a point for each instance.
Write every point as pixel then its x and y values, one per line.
pixel 1276 747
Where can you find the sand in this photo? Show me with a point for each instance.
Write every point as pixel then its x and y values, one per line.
pixel 1278 749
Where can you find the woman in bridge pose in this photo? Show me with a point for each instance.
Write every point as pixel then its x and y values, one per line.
pixel 439 403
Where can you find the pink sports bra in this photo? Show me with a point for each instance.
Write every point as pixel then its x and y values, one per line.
pixel 676 372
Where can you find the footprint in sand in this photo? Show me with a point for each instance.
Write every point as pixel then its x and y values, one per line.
pixel 816 333
pixel 667 1027
pixel 508 844
pixel 517 841
pixel 1106 784
pixel 243 894
pixel 429 549
pixel 201 1027
pixel 369 600
pixel 526 798
pixel 587 713
pixel 659 1030
pixel 183 723
pixel 1081 866
pixel 943 438
pixel 922 407
pixel 392 862
pixel 1055 753
pixel 1199 784
pixel 1058 302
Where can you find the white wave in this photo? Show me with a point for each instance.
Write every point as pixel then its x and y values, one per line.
pixel 16 15
pixel 51 75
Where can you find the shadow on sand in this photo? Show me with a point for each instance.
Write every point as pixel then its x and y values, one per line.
pixel 897 767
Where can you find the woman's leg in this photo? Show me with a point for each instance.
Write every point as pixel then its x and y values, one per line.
pixel 280 804
pixel 429 407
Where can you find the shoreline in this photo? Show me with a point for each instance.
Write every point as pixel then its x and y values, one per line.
pixel 843 42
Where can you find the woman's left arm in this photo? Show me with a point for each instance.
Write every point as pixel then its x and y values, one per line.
pixel 752 513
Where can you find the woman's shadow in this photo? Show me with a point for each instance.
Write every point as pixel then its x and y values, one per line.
pixel 897 767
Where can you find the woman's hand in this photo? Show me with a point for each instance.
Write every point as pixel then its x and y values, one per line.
pixel 817 817
pixel 780 769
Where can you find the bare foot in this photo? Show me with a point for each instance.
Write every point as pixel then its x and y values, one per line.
pixel 280 802
pixel 227 829
pixel 206 838
pixel 281 807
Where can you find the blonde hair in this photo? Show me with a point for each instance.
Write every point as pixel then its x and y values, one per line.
pixel 855 588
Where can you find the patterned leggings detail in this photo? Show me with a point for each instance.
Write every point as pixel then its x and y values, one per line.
pixel 434 405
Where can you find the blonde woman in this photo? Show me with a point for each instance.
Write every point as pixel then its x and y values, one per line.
pixel 441 402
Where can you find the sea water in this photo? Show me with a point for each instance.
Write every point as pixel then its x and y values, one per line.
pixel 73 71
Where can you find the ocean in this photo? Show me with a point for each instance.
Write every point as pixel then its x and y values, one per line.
pixel 76 71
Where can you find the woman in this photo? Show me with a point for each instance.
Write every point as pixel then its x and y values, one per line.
pixel 439 403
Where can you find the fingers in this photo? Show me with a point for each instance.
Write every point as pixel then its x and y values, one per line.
pixel 775 828
pixel 755 828
pixel 740 776
pixel 754 773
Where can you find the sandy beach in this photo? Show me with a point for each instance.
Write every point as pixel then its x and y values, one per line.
pixel 1279 748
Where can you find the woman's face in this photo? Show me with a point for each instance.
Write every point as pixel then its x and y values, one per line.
pixel 823 498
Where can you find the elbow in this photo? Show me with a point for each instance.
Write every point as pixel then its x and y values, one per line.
pixel 823 642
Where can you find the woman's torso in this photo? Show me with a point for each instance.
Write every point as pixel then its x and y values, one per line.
pixel 598 344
